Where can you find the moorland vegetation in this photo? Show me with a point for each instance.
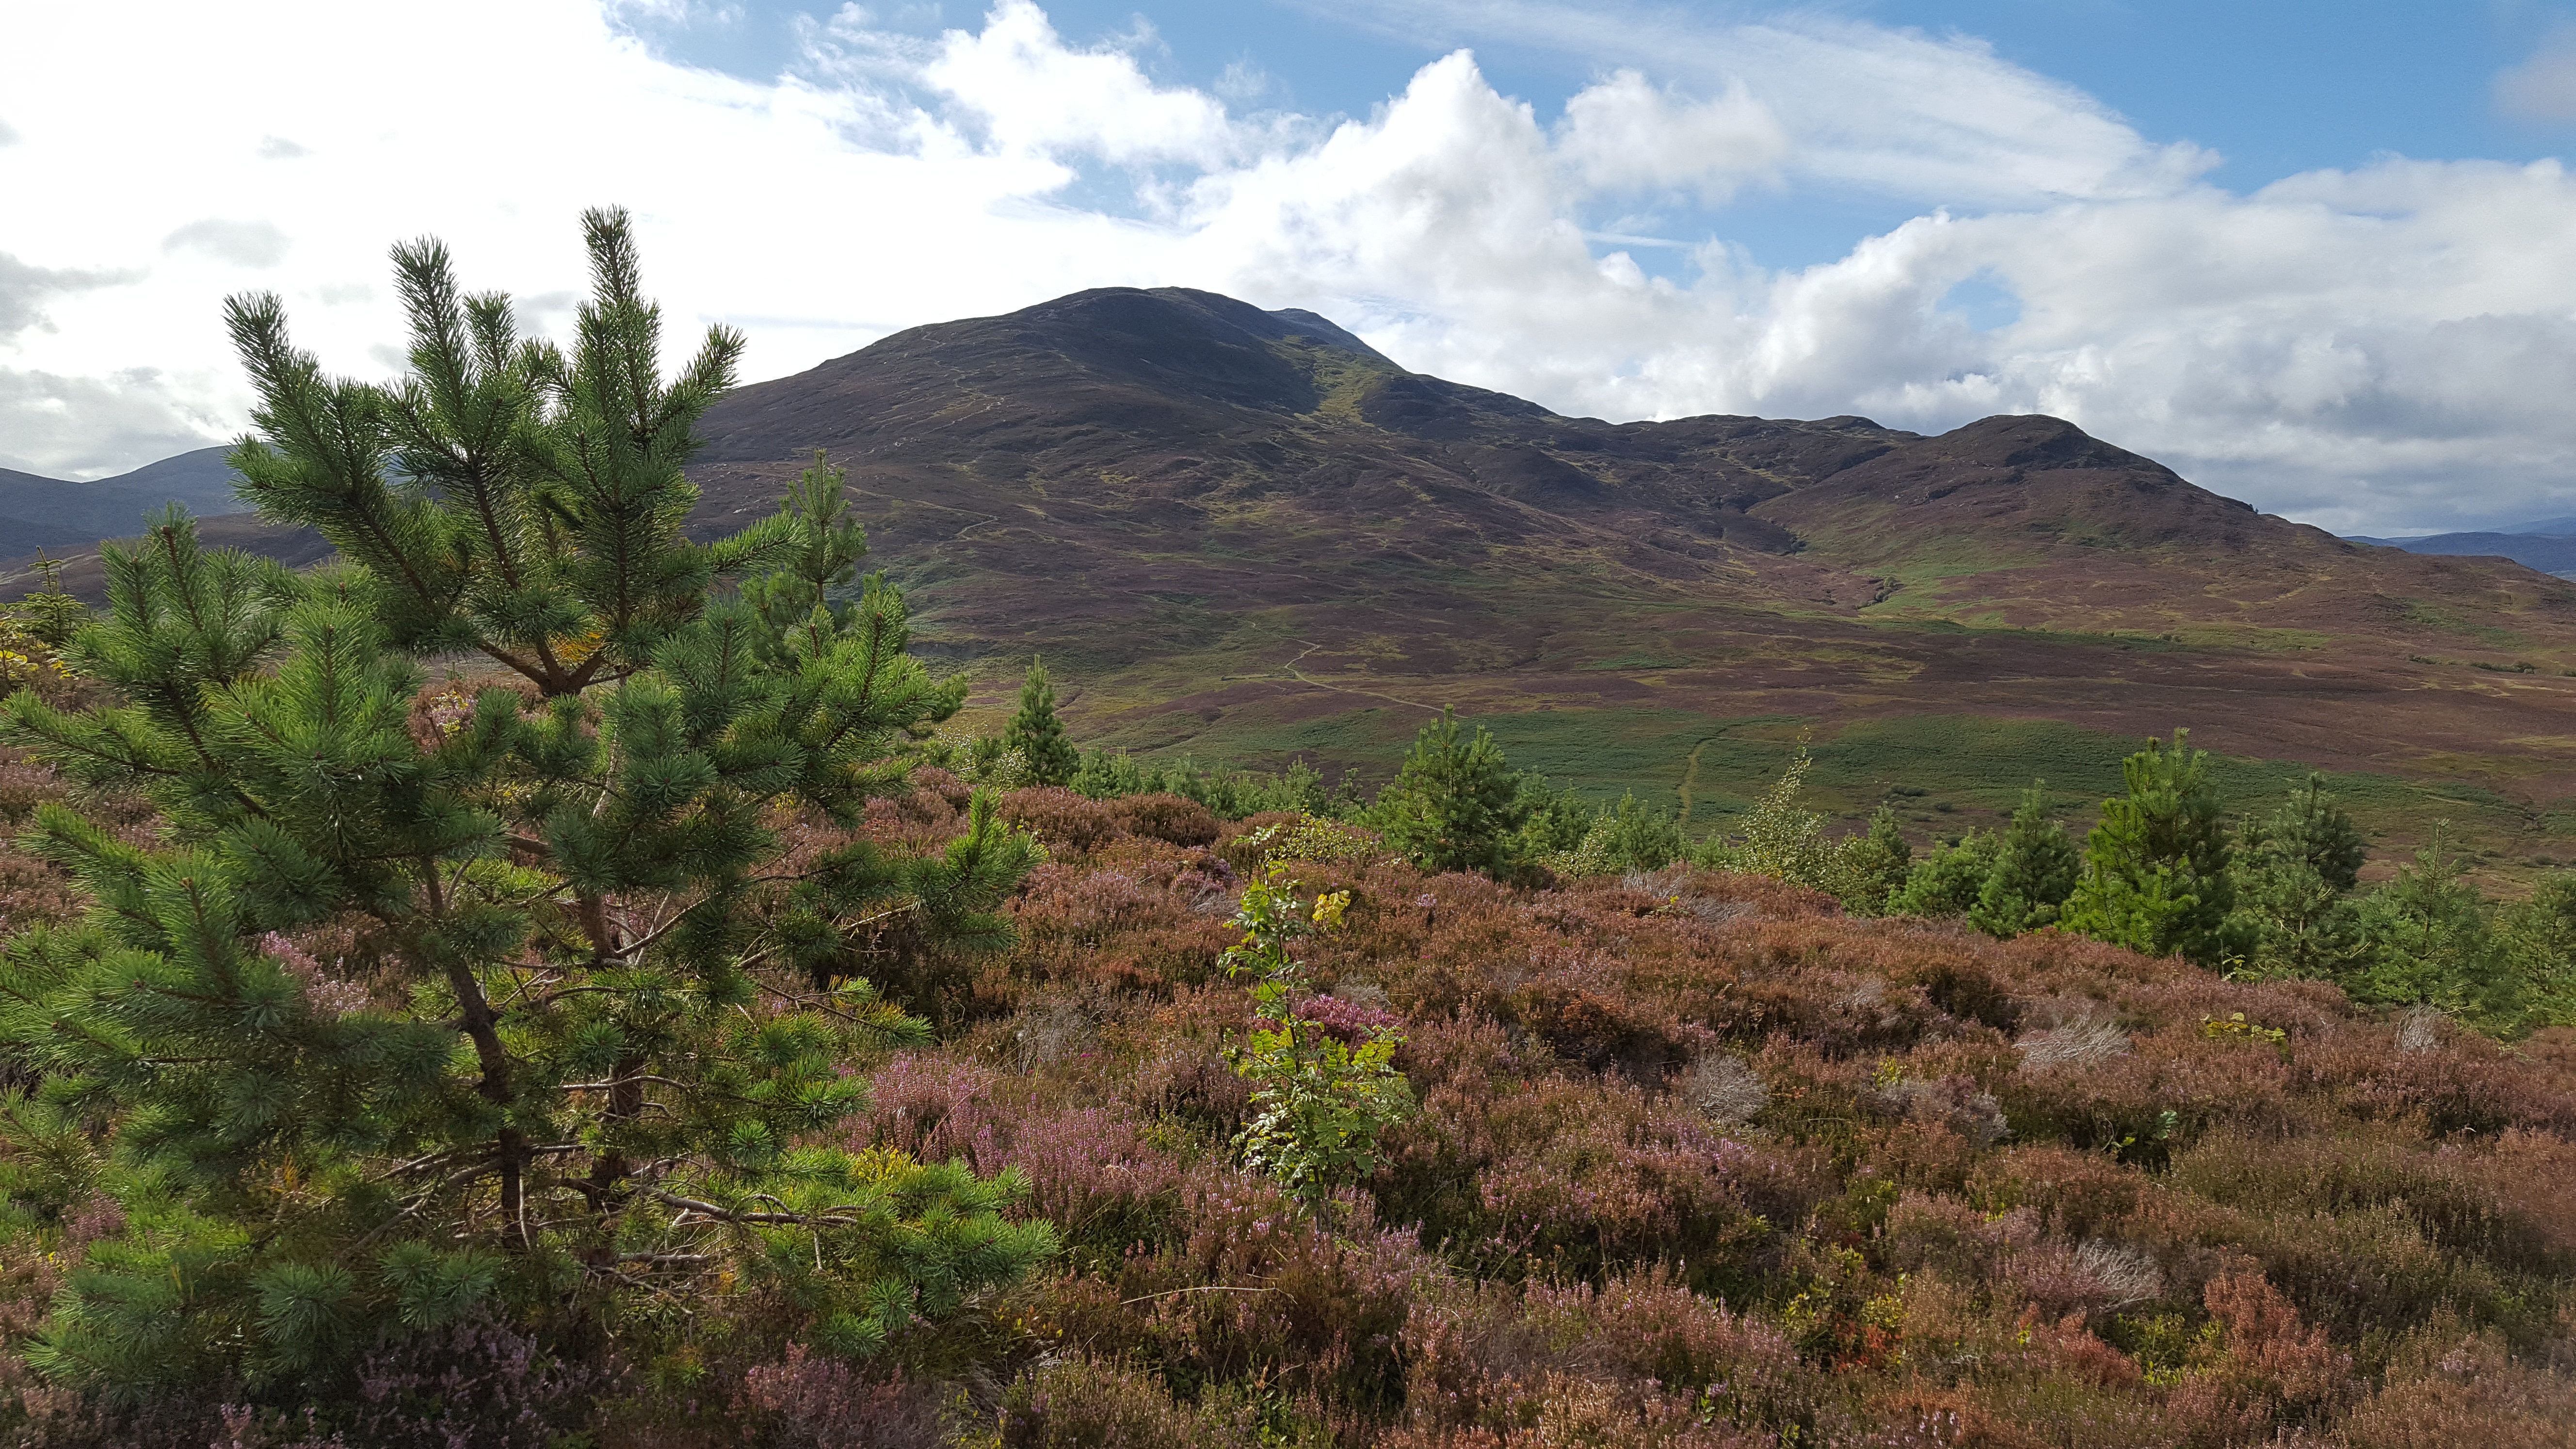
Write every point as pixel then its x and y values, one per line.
pixel 541 980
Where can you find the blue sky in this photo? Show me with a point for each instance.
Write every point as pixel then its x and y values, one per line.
pixel 2276 87
pixel 2318 257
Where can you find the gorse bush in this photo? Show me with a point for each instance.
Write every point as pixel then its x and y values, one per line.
pixel 608 1010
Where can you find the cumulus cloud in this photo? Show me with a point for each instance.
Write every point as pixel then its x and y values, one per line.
pixel 89 426
pixel 242 243
pixel 2542 88
pixel 24 289
pixel 1627 134
pixel 2367 349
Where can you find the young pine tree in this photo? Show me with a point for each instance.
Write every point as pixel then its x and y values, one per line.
pixel 2294 875
pixel 2156 868
pixel 1879 863
pixel 2034 871
pixel 1949 880
pixel 1455 804
pixel 2428 941
pixel 1038 735
pixel 604 1004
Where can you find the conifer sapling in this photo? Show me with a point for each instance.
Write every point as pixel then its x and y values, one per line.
pixel 1038 735
pixel 604 1010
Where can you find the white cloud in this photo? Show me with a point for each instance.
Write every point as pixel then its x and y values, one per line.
pixel 2542 88
pixel 256 244
pixel 2367 349
pixel 24 290
pixel 90 426
pixel 1626 134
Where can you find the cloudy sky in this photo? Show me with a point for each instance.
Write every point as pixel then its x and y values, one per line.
pixel 2320 256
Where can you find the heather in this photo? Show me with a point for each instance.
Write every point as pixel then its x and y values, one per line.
pixel 1695 1157
pixel 499 992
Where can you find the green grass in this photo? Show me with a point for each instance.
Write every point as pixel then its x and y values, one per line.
pixel 1970 770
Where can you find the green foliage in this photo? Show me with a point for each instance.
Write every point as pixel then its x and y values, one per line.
pixel 49 614
pixel 1554 823
pixel 2034 871
pixel 1313 838
pixel 1231 793
pixel 2294 872
pixel 1783 839
pixel 1455 805
pixel 1624 836
pixel 2429 941
pixel 1950 880
pixel 1319 1102
pixel 1038 735
pixel 2156 870
pixel 1880 864
pixel 2540 937
pixel 605 1006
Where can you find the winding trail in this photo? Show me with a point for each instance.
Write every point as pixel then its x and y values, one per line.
pixel 1302 678
pixel 1690 778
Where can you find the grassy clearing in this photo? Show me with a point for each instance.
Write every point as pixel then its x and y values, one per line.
pixel 1944 773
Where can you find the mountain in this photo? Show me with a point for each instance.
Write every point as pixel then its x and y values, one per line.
pixel 55 514
pixel 2532 546
pixel 1247 532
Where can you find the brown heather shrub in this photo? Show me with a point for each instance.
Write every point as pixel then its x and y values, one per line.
pixel 1590 1021
pixel 2273 1371
pixel 2470 1085
pixel 23 787
pixel 1065 822
pixel 2073 1194
pixel 2118 1105
pixel 952 791
pixel 1082 1402
pixel 1141 928
pixel 1255 1289
pixel 2453 1194
pixel 33 893
pixel 1563 1409
pixel 803 1402
pixel 2449 1389
pixel 1648 1326
pixel 1172 818
pixel 1584 1177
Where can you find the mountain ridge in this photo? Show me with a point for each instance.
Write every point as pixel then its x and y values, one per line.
pixel 1248 532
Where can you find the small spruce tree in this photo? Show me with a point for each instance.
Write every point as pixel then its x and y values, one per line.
pixel 2035 870
pixel 1038 735
pixel 604 1011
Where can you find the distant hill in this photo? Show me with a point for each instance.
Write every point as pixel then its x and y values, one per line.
pixel 2532 545
pixel 57 514
pixel 1246 532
